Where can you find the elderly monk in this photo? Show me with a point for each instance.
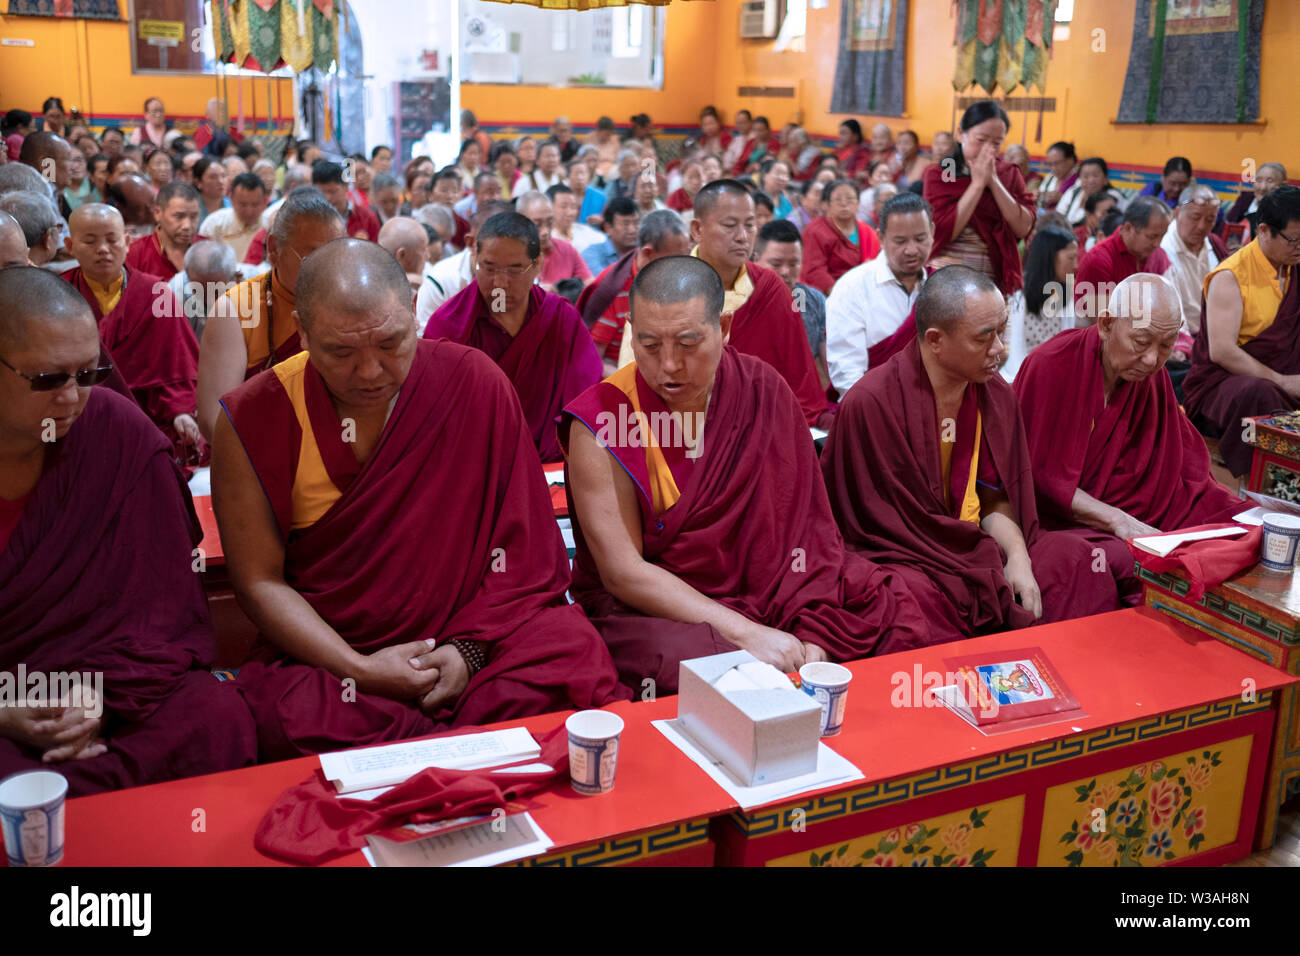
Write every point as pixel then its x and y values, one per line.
pixel 537 337
pixel 409 244
pixel 1110 447
pixel 388 529
pixel 1133 248
pixel 1193 250
pixel 13 244
pixel 140 322
pixel 255 326
pixel 96 546
pixel 928 473
pixel 1246 359
pixel 49 154
pixel 176 214
pixel 700 517
pixel 42 226
pixel 765 321
pixel 132 195
pixel 604 303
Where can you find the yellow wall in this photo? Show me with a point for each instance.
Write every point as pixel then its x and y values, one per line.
pixel 88 64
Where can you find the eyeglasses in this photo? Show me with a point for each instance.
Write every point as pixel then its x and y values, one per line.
pixel 1292 242
pixel 53 381
pixel 510 272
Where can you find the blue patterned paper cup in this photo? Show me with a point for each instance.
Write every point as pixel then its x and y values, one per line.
pixel 593 750
pixel 828 684
pixel 1277 546
pixel 31 817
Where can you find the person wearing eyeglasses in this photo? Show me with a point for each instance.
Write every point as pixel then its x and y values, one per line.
pixel 537 337
pixel 254 325
pixel 1246 359
pixel 95 567
pixel 154 346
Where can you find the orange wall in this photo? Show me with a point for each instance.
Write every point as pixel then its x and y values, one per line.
pixel 88 64
pixel 690 46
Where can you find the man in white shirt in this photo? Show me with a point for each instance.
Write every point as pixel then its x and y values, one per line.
pixel 869 302
pixel 239 223
pixel 545 175
pixel 1191 254
pixel 448 276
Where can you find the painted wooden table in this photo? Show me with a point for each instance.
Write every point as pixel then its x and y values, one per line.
pixel 1170 759
pixel 1275 461
pixel 1258 613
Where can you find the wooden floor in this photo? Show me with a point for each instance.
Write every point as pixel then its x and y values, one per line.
pixel 1286 848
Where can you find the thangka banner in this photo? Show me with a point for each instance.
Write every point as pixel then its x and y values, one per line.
pixel 870 72
pixel 267 34
pixel 1003 44
pixel 1193 62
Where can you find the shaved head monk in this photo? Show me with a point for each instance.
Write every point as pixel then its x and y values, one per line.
pixel 1110 447
pixel 700 517
pixel 409 244
pixel 928 473
pixel 176 218
pixel 96 539
pixel 765 323
pixel 537 337
pixel 255 325
pixel 140 323
pixel 388 528
pixel 1246 358
pixel 13 244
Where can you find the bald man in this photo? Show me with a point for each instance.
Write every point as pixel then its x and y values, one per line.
pixel 396 596
pixel 140 323
pixel 928 473
pixel 706 527
pixel 255 325
pixel 13 244
pixel 454 273
pixel 560 260
pixel 96 545
pixel 1110 447
pixel 41 224
pixel 176 217
pixel 49 154
pixel 409 244
pixel 133 196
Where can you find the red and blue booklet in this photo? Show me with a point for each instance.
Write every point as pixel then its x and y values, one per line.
pixel 1001 691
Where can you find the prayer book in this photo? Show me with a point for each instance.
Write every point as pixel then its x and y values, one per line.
pixel 390 764
pixel 485 841
pixel 1000 691
pixel 1162 544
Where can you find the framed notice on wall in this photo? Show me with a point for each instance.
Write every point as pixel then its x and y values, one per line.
pixel 168 36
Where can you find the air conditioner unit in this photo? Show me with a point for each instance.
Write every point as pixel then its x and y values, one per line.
pixel 760 19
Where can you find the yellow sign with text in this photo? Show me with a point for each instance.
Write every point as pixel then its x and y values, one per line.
pixel 164 30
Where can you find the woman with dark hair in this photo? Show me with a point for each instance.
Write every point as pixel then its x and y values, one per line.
pixel 155 125
pixel 836 241
pixel 1063 166
pixel 912 162
pixel 1094 177
pixel 713 138
pixel 525 155
pixel 56 119
pixel 469 162
pixel 14 128
pixel 740 140
pixel 757 149
pixel 850 150
pixel 773 179
pixel 810 205
pixel 1176 177
pixel 506 165
pixel 160 166
pixel 1042 308
pixel 981 208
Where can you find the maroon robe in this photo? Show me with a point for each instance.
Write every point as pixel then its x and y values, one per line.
pixel 152 344
pixel 97 577
pixel 1139 453
pixel 769 327
pixel 1105 266
pixel 447 531
pixel 943 195
pixel 1222 399
pixel 363 223
pixel 883 475
pixel 752 530
pixel 146 255
pixel 550 362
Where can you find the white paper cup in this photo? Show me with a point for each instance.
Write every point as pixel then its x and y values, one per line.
pixel 828 684
pixel 593 750
pixel 31 817
pixel 1278 544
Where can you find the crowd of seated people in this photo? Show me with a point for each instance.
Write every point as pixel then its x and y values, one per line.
pixel 1007 371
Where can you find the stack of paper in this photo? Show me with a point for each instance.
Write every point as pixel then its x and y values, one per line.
pixel 1162 544
pixel 489 842
pixel 371 767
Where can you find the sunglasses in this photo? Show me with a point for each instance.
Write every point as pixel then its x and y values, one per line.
pixel 52 381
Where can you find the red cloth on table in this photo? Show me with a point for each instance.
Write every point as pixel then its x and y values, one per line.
pixel 1206 564
pixel 828 253
pixel 753 499
pixel 768 326
pixel 311 823
pixel 884 478
pixel 96 577
pixel 469 552
pixel 943 195
pixel 549 362
pixel 1139 453
pixel 1104 266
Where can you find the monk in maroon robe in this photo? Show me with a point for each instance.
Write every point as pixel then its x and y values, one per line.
pixel 537 337
pixel 97 571
pixel 929 474
pixel 141 323
pixel 387 524
pixel 1133 248
pixel 176 216
pixel 699 513
pixel 1110 447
